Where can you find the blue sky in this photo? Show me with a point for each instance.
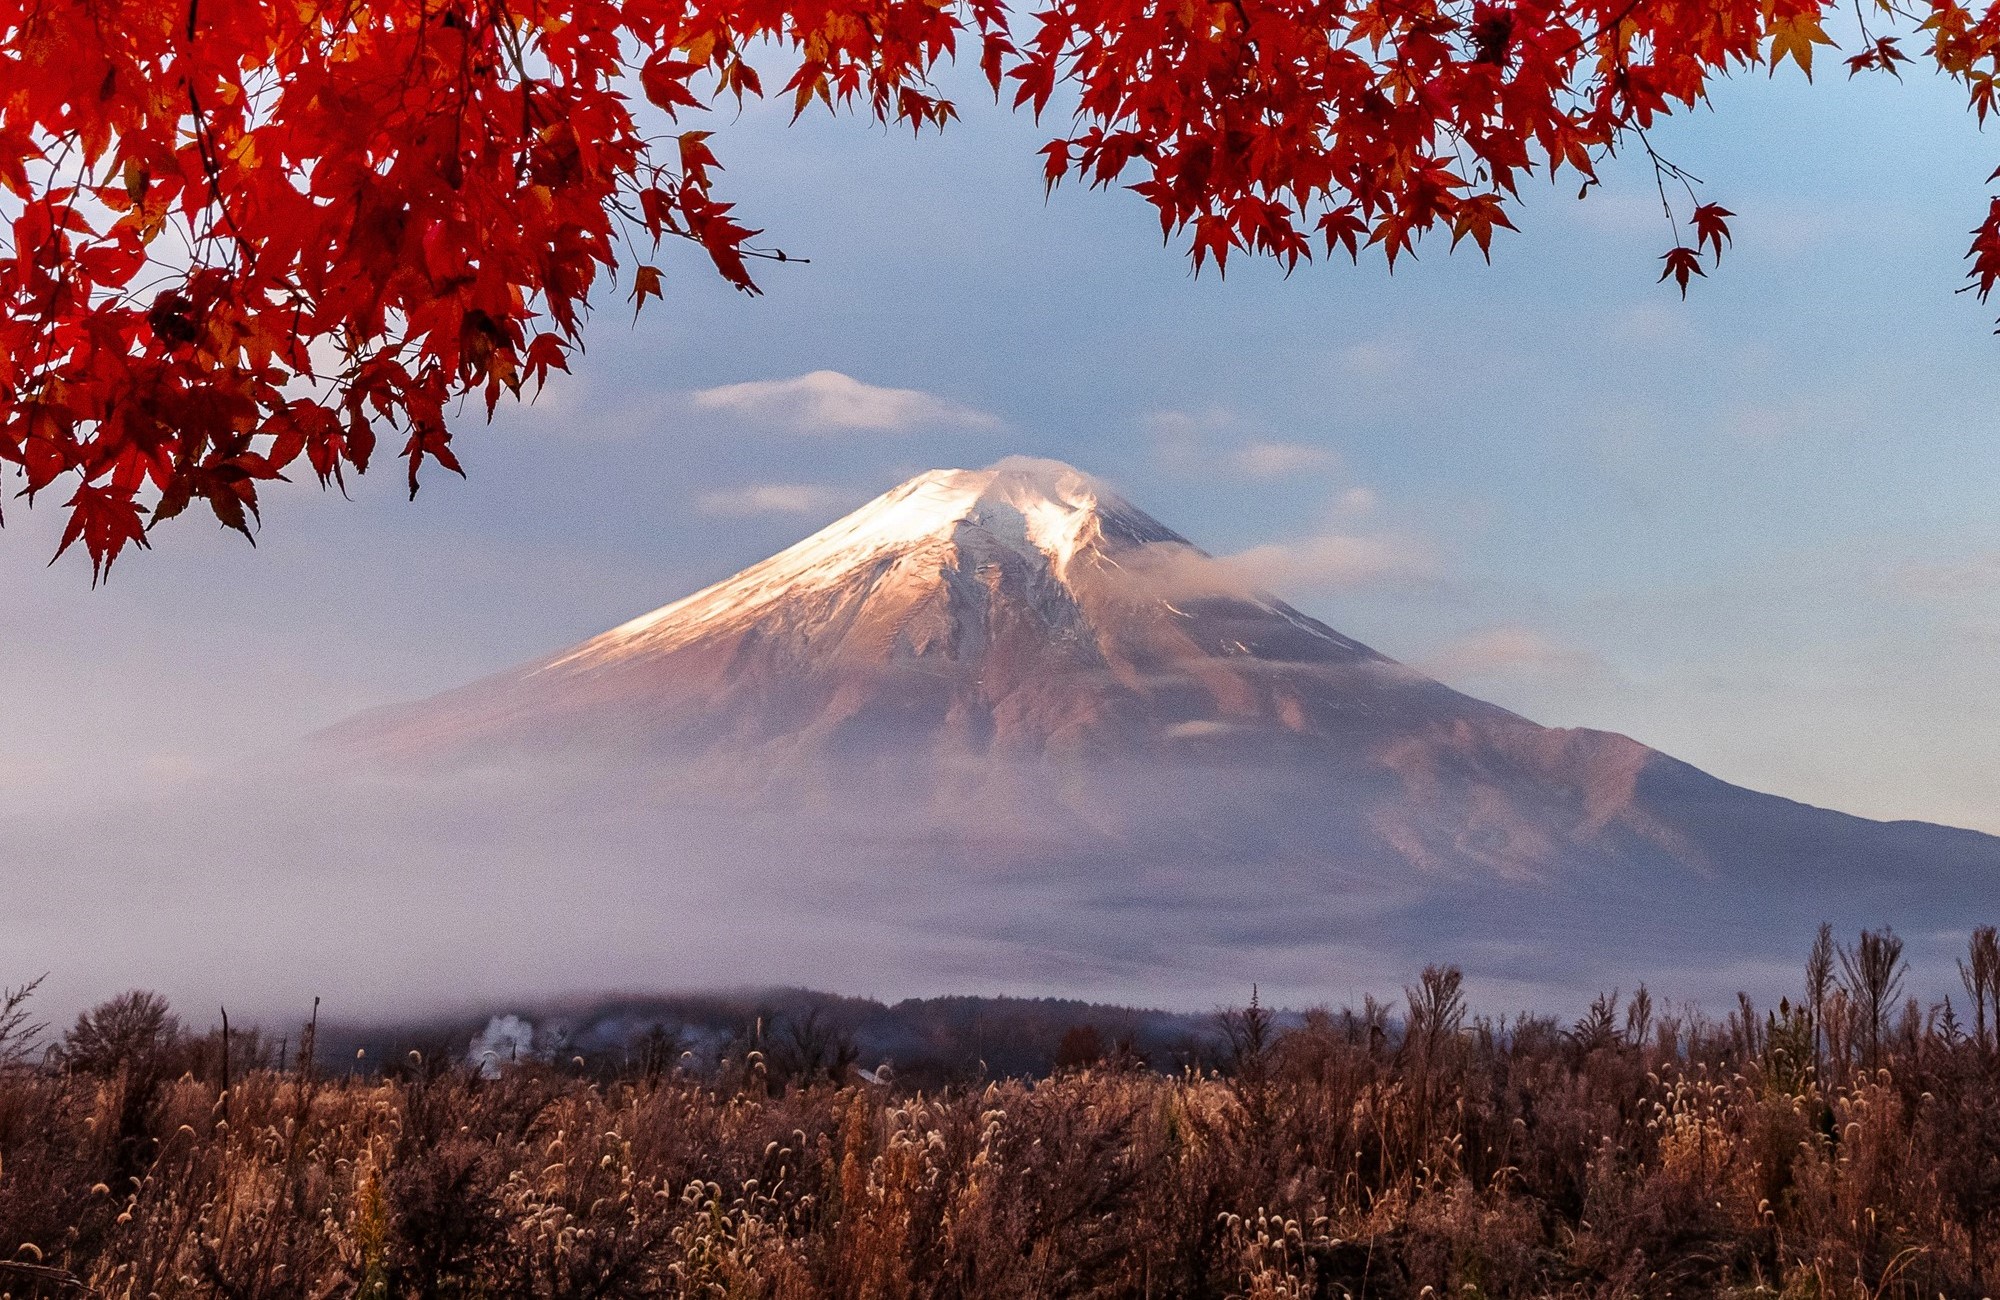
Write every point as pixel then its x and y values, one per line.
pixel 1756 530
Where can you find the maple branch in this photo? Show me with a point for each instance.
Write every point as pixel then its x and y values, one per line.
pixel 204 145
pixel 1662 169
pixel 48 336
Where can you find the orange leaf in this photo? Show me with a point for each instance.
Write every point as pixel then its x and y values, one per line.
pixel 645 284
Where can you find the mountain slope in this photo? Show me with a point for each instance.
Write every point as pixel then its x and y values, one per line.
pixel 1013 675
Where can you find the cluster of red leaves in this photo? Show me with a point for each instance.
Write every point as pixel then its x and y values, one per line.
pixel 246 233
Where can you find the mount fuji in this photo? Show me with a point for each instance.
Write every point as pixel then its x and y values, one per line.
pixel 1002 725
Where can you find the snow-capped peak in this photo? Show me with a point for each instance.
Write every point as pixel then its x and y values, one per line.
pixel 1044 510
pixel 1041 503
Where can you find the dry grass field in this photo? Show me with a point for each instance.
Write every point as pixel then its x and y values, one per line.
pixel 1846 1145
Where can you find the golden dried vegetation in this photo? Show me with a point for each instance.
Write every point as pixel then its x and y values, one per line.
pixel 1845 1146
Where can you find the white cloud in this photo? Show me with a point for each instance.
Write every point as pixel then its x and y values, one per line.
pixel 1182 438
pixel 827 401
pixel 1509 650
pixel 1263 459
pixel 1357 501
pixel 1339 562
pixel 768 499
pixel 1210 441
pixel 1177 426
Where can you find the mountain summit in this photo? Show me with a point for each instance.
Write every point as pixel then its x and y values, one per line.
pixel 946 538
pixel 1024 608
pixel 991 677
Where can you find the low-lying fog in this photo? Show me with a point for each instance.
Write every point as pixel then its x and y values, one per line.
pixel 390 895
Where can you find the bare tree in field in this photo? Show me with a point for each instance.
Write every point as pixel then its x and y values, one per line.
pixel 1980 971
pixel 1819 986
pixel 124 1031
pixel 1251 1033
pixel 18 1030
pixel 1872 973
pixel 1437 1009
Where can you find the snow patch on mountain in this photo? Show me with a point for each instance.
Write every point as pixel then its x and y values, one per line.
pixel 1042 511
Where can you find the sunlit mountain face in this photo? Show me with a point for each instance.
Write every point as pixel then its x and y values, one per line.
pixel 1003 725
pixel 1018 611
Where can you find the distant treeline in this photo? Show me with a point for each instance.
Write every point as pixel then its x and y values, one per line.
pixel 1846 1143
pixel 930 1042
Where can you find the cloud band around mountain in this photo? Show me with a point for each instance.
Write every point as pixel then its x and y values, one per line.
pixel 1319 564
